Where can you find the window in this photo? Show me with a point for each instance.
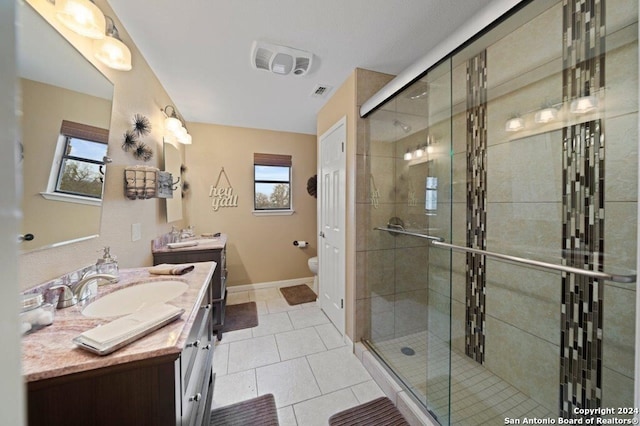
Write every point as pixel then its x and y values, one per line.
pixel 78 166
pixel 272 182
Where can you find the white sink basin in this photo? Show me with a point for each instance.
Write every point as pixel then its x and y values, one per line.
pixel 131 299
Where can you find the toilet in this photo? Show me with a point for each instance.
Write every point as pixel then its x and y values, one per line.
pixel 313 267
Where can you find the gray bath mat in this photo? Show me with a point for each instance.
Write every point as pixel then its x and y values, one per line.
pixel 298 294
pixel 379 412
pixel 260 411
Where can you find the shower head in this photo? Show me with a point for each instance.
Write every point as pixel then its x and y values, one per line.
pixel 405 127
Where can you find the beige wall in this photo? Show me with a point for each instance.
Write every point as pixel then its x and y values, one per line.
pixel 346 101
pixel 43 108
pixel 260 248
pixel 136 91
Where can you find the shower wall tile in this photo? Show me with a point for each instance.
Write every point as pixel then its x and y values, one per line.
pixel 362 292
pixel 621 151
pixel 459 133
pixel 459 87
pixel 459 186
pixel 525 298
pixel 621 80
pixel 526 170
pixel 527 47
pixel 458 276
pixel 379 273
pixel 367 218
pixel 617 390
pixel 439 267
pixel 382 317
pixel 621 13
pixel 368 83
pixel 620 252
pixel 519 357
pixel 439 315
pixel 458 311
pixel 619 328
pixel 410 312
pixel 363 320
pixel 381 178
pixel 363 191
pixel 525 229
pixel 411 269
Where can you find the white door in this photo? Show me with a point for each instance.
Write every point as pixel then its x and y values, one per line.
pixel 332 218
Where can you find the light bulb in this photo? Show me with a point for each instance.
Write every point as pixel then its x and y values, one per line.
pixel 82 17
pixel 513 125
pixel 419 152
pixel 113 53
pixel 408 156
pixel 181 132
pixel 185 139
pixel 546 115
pixel 171 124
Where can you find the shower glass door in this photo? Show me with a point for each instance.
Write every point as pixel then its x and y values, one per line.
pixel 500 265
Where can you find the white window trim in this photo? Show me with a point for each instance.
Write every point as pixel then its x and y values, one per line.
pixel 51 194
pixel 283 212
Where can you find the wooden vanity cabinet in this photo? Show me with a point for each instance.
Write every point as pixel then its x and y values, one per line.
pixel 218 282
pixel 174 389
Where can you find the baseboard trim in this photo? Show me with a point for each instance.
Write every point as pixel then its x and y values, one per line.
pixel 270 284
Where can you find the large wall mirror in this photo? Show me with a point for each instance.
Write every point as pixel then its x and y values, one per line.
pixel 66 113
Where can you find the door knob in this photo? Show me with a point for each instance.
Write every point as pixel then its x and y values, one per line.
pixel 322 234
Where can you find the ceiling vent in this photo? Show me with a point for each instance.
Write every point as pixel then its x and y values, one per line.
pixel 321 91
pixel 280 59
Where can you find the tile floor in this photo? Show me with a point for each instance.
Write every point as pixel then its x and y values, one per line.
pixel 296 354
pixel 477 396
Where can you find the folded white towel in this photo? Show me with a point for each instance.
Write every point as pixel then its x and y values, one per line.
pixel 106 338
pixel 182 244
pixel 169 269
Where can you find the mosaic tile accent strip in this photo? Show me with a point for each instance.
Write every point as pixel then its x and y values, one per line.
pixel 583 211
pixel 476 204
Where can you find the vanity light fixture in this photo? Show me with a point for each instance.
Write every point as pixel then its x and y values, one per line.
pixel 111 51
pixel 82 17
pixel 514 124
pixel 584 105
pixel 546 115
pixel 174 127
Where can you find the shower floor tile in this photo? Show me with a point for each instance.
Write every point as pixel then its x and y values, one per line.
pixel 478 397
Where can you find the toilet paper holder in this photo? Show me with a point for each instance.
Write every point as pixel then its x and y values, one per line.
pixel 300 243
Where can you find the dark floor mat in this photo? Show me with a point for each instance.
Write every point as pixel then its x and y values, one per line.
pixel 298 294
pixel 379 412
pixel 260 411
pixel 237 317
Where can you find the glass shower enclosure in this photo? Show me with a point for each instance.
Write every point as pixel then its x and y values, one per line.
pixel 499 267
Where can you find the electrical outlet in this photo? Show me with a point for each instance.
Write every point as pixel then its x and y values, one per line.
pixel 136 232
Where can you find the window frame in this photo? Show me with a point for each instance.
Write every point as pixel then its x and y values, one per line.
pixel 272 160
pixel 69 131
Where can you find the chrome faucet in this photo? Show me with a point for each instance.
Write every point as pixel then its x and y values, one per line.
pixel 71 295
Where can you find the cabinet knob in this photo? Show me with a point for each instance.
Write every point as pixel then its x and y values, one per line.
pixel 206 348
pixel 194 344
pixel 207 306
pixel 197 397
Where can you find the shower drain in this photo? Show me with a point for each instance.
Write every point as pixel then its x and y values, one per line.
pixel 407 351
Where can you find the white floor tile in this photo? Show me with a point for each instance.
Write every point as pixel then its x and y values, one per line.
pixel 261 307
pixel 330 336
pixel 286 416
pixel 235 298
pixel 316 411
pixel 220 359
pixel 264 294
pixel 289 381
pixel 337 369
pixel 272 324
pixel 280 305
pixel 367 391
pixel 252 353
pixel 308 317
pixel 236 335
pixel 234 388
pixel 297 343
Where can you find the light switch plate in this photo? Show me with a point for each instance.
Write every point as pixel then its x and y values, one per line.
pixel 136 232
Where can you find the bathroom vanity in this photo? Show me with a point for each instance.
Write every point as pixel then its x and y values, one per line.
pixel 165 378
pixel 207 249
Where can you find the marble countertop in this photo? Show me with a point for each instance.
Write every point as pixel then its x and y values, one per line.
pixel 204 243
pixel 50 353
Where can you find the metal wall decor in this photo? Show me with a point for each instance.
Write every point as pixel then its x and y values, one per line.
pixel 131 138
pixel 222 196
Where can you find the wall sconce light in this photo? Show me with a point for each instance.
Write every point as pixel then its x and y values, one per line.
pixel 514 124
pixel 174 126
pixel 82 17
pixel 111 51
pixel 546 115
pixel 408 155
pixel 584 105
